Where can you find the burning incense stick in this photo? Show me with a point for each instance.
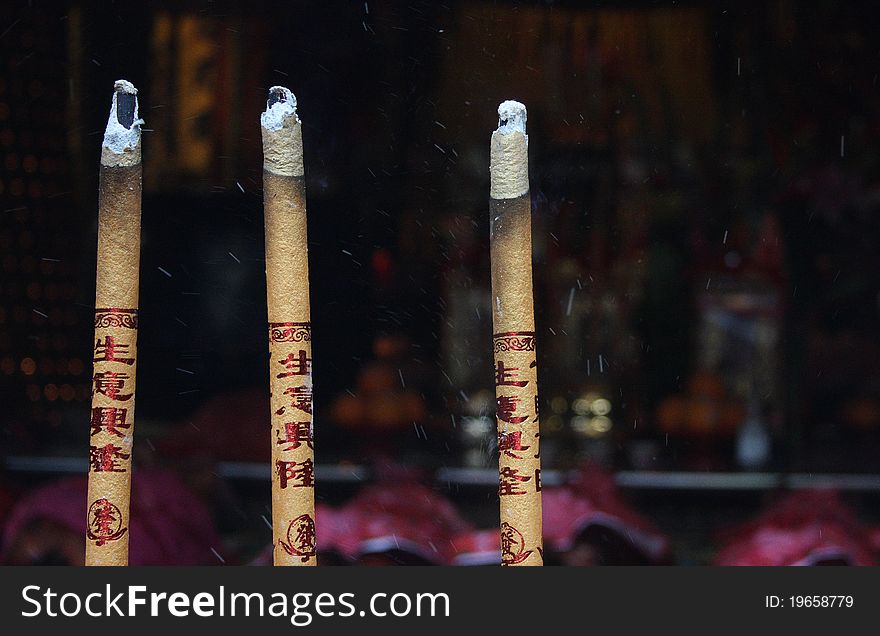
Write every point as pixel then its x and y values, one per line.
pixel 290 332
pixel 115 352
pixel 516 373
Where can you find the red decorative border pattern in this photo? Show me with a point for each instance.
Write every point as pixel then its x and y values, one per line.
pixel 514 341
pixel 290 331
pixel 116 317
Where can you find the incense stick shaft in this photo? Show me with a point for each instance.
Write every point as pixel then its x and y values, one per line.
pixel 516 377
pixel 290 348
pixel 111 432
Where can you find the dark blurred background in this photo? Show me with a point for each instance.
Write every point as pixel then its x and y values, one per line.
pixel 705 190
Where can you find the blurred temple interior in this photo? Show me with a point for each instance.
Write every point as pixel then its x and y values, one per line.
pixel 705 188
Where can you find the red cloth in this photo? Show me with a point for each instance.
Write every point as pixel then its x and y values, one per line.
pixel 806 544
pixel 401 516
pixel 795 509
pixel 804 528
pixel 593 499
pixel 478 547
pixel 168 524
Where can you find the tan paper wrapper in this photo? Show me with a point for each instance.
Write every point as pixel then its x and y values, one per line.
pixel 282 149
pixel 516 382
pixel 115 365
pixel 509 167
pixel 290 370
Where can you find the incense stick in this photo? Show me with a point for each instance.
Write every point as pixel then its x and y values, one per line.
pixel 111 433
pixel 290 333
pixel 516 373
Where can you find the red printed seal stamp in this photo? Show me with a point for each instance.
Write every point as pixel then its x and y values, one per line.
pixel 513 545
pixel 300 538
pixel 105 522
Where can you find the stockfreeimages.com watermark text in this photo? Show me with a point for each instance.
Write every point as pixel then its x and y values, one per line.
pixel 300 608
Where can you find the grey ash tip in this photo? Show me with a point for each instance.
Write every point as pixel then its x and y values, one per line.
pixel 125 107
pixel 277 94
pixel 511 117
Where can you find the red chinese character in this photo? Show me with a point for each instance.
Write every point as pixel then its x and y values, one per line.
pixel 509 442
pixel 505 376
pixel 108 351
pixel 305 536
pixel 506 409
pixel 510 482
pixel 111 419
pixel 105 522
pixel 301 397
pixel 103 518
pixel 110 383
pixel 513 545
pixel 296 434
pixel 299 364
pixel 300 538
pixel 105 458
pixel 293 472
